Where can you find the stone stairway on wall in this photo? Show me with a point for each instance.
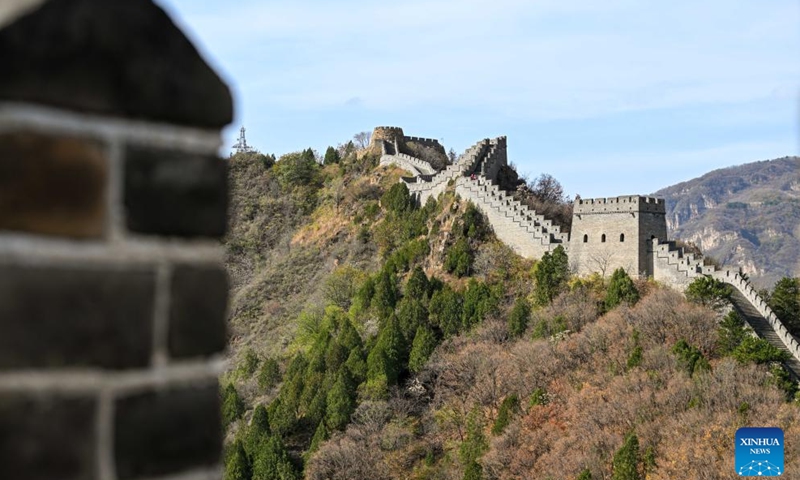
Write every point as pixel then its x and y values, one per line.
pixel 529 234
pixel 390 156
pixel 745 299
pixel 423 188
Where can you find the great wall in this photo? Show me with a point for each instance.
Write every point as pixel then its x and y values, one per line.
pixel 628 232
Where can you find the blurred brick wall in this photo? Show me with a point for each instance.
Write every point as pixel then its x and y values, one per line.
pixel 113 295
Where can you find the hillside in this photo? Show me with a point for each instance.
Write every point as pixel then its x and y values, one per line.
pixel 376 338
pixel 748 215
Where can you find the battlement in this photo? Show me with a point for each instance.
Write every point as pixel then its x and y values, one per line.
pixel 392 135
pixel 625 203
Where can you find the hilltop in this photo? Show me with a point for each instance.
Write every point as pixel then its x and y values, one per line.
pixel 377 337
pixel 748 215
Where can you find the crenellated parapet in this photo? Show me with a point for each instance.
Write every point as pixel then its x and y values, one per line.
pixel 624 203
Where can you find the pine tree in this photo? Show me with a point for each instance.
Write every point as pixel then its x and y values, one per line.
pixel 411 314
pixel 785 302
pixel 417 285
pixel 269 374
pixel 232 405
pixel 424 344
pixel 237 465
pixel 551 274
pixel 474 471
pixel 626 460
pixel 388 356
pixel 445 311
pixel 331 156
pixel 518 320
pixel 341 401
pixel 509 406
pixel 385 297
pixel 259 428
pixel 272 462
pixel 620 289
pixel 320 435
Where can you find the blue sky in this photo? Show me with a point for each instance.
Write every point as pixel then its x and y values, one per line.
pixel 613 97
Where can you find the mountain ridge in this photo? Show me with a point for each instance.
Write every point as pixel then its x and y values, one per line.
pixel 746 215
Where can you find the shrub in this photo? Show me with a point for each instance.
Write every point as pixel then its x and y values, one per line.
pixel 710 292
pixel 509 407
pixel 758 350
pixel 690 358
pixel 519 317
pixel 620 289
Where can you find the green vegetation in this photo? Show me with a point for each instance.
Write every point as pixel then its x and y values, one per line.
pixel 710 292
pixel 551 274
pixel 620 289
pixel 785 302
pixel 369 366
pixel 626 460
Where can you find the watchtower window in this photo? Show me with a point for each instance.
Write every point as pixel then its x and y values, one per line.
pixel 585 238
pixel 621 237
pixel 603 238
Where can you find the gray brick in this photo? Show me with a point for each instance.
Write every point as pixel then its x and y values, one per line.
pixel 199 298
pixel 75 317
pixel 47 437
pixel 169 192
pixel 163 432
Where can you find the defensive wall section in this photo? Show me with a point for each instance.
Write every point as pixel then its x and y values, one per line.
pixel 628 232
pixel 113 201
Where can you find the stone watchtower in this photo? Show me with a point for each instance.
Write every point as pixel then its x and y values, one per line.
pixel 608 233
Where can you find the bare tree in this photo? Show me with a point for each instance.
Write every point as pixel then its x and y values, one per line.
pixel 601 260
pixel 547 189
pixel 362 139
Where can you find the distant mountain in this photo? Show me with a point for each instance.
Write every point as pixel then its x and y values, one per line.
pixel 748 215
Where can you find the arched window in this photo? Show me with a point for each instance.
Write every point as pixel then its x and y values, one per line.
pixel 603 238
pixel 621 237
pixel 585 238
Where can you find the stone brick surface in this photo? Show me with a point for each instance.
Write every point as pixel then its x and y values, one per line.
pixel 199 296
pixel 75 317
pixel 175 193
pixel 122 58
pixel 162 432
pixel 52 185
pixel 47 437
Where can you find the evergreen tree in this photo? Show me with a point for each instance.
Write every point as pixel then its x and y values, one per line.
pixel 397 199
pixel 731 333
pixel 621 289
pixel 272 462
pixel 331 156
pixel 320 435
pixel 269 374
pixel 387 358
pixel 709 291
pixel 478 303
pixel 417 286
pixel 626 460
pixel 551 274
pixel 341 401
pixel 785 302
pixel 690 358
pixel 422 348
pixel 385 297
pixel 259 428
pixel 474 471
pixel 232 405
pixel 475 443
pixel 518 320
pixel 348 336
pixel 237 465
pixel 357 365
pixel 445 311
pixel 412 314
pixel 509 406
pixel 458 259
